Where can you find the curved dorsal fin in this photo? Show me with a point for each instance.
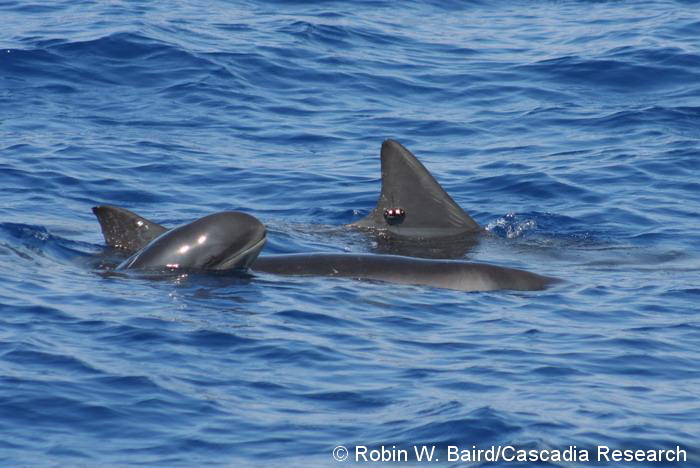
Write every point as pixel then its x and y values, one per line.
pixel 125 230
pixel 421 207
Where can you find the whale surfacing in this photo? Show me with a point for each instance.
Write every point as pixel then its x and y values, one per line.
pixel 233 240
pixel 412 207
pixel 221 241
pixel 446 274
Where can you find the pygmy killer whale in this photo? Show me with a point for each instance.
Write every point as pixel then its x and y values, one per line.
pixel 221 241
pixel 447 274
pixel 412 206
pixel 233 240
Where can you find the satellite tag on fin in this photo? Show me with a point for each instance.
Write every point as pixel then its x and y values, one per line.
pixel 412 204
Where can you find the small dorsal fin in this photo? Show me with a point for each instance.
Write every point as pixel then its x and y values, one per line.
pixel 412 203
pixel 125 230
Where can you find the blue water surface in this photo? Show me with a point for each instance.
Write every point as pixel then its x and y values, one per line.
pixel 569 129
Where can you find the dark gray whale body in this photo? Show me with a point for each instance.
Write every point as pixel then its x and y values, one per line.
pixel 233 240
pixel 221 241
pixel 447 274
pixel 426 211
pixel 412 206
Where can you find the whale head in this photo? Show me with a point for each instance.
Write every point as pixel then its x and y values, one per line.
pixel 221 241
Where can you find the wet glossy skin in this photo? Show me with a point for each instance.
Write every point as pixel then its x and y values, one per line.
pixel 233 240
pixel 449 274
pixel 222 241
pixel 412 204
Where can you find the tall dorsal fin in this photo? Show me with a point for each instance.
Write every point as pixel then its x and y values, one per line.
pixel 412 203
pixel 125 230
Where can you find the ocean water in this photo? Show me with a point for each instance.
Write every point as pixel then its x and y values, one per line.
pixel 569 129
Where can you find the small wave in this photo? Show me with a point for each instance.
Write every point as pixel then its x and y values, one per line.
pixel 510 227
pixel 533 185
pixel 35 243
pixel 119 59
pixel 624 71
pixel 556 234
